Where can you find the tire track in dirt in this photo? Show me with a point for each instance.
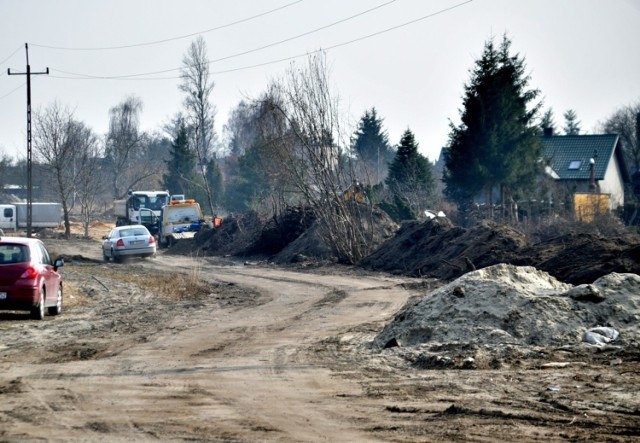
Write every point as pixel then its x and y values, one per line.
pixel 234 373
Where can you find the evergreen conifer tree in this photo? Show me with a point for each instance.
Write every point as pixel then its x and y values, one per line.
pixel 547 121
pixel 496 145
pixel 409 178
pixel 571 123
pixel 371 145
pixel 181 166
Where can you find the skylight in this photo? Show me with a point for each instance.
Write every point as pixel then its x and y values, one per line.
pixel 575 164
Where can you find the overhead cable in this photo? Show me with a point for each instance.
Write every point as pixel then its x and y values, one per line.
pixel 239 53
pixel 139 76
pixel 12 91
pixel 157 42
pixel 12 54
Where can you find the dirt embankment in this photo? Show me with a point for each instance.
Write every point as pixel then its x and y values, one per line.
pixel 438 249
pixel 431 249
pixel 193 348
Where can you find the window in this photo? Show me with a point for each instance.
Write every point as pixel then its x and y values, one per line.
pixel 8 212
pixel 46 260
pixel 36 254
pixel 575 165
pixel 13 253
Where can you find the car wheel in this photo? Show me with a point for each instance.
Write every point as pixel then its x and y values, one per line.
pixel 37 312
pixel 57 309
pixel 105 256
pixel 115 258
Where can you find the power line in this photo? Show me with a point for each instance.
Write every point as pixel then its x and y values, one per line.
pixel 240 53
pixel 79 76
pixel 12 91
pixel 393 28
pixel 157 42
pixel 12 54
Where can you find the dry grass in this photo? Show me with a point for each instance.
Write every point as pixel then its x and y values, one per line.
pixel 74 296
pixel 176 286
pixel 97 229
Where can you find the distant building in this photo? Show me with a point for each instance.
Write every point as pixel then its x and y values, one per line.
pixel 587 164
pixel 18 192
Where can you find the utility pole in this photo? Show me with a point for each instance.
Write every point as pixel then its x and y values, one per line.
pixel 28 73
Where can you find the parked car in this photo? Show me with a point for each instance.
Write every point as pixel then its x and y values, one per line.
pixel 128 241
pixel 29 279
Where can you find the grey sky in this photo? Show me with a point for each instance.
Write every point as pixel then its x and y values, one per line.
pixel 581 54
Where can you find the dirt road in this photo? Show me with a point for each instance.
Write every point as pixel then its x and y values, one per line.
pixel 269 354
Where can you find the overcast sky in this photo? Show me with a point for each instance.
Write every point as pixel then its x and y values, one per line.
pixel 581 54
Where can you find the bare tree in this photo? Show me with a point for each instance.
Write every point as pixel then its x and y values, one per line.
pixel 626 123
pixel 5 163
pixel 55 146
pixel 92 176
pixel 125 147
pixel 311 146
pixel 241 129
pixel 197 87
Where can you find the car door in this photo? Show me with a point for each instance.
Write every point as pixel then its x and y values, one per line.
pixel 7 214
pixel 50 276
pixel 108 242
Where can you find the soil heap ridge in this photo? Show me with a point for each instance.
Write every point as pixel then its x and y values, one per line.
pixel 506 304
pixel 438 249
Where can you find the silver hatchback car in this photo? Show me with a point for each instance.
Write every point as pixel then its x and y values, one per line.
pixel 128 241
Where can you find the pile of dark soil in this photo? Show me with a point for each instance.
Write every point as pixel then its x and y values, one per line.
pixel 311 245
pixel 292 237
pixel 432 249
pixel 235 236
pixel 578 258
pixel 280 231
pixel 247 235
pixel 440 250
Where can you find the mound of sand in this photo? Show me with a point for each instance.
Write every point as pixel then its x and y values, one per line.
pixel 506 304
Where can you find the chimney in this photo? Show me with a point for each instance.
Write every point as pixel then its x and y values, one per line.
pixel 593 186
pixel 548 132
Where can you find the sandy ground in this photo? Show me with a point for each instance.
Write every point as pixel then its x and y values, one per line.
pixel 280 355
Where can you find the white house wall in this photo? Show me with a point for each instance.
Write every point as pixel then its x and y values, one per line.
pixel 613 184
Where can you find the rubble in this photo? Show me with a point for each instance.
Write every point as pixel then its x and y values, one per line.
pixel 515 305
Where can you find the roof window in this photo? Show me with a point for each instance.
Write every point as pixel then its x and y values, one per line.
pixel 575 164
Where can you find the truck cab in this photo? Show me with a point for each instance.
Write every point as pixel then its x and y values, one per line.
pixel 180 219
pixel 141 207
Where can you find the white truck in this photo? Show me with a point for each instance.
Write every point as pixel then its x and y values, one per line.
pixel 141 207
pixel 180 219
pixel 43 215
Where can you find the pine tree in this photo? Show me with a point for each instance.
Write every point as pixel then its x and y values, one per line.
pixel 547 121
pixel 371 145
pixel 409 178
pixel 181 166
pixel 496 145
pixel 571 123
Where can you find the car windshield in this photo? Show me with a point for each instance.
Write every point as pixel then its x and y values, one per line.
pixel 132 232
pixel 11 253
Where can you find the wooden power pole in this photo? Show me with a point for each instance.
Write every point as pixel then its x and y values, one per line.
pixel 28 73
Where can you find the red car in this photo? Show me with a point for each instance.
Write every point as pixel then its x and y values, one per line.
pixel 29 280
